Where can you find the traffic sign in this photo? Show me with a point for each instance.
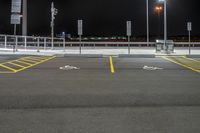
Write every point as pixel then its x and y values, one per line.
pixel 80 27
pixel 128 25
pixel 16 6
pixel 189 26
pixel 15 19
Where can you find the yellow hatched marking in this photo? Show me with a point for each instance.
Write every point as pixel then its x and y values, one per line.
pixel 41 58
pixel 34 59
pixel 35 64
pixel 183 65
pixel 6 72
pixel 15 64
pixel 9 68
pixel 23 62
pixel 28 60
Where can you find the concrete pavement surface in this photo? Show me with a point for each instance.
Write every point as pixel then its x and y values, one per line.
pixel 46 99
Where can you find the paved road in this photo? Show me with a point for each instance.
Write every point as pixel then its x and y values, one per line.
pixel 45 99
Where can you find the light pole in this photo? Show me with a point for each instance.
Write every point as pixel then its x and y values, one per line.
pixel 158 10
pixel 54 12
pixel 24 18
pixel 147 9
pixel 189 28
pixel 128 26
pixel 165 23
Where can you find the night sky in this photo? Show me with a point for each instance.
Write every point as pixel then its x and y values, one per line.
pixel 104 17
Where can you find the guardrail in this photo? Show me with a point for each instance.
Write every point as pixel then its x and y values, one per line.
pixel 46 43
pixel 11 41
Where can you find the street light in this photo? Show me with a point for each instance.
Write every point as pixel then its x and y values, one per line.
pixel 24 18
pixel 158 10
pixel 147 9
pixel 54 12
pixel 165 23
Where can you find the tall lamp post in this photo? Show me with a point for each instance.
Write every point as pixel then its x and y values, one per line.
pixel 54 12
pixel 158 10
pixel 147 10
pixel 24 18
pixel 165 23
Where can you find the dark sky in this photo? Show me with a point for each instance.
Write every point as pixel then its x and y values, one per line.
pixel 104 17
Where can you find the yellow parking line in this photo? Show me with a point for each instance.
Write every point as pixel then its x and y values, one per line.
pixel 9 68
pixel 23 62
pixel 112 69
pixel 41 58
pixel 195 70
pixel 34 59
pixel 24 59
pixel 15 64
pixel 7 72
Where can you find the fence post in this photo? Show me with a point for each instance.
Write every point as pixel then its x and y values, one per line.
pixel 38 44
pixel 5 41
pixel 189 43
pixel 64 44
pixel 129 49
pixel 80 45
pixel 52 43
pixel 25 42
pixel 45 43
pixel 16 43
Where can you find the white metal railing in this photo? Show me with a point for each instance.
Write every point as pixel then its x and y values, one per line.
pixel 46 43
pixel 15 42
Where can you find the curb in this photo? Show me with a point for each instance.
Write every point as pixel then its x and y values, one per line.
pixel 136 56
pixel 193 56
pixel 82 55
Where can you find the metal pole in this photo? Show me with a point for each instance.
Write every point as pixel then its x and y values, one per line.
pixel 189 42
pixel 25 42
pixel 52 25
pixel 64 44
pixel 38 44
pixel 5 41
pixel 16 43
pixel 80 44
pixel 147 8
pixel 15 29
pixel 24 18
pixel 165 25
pixel 45 43
pixel 52 36
pixel 129 50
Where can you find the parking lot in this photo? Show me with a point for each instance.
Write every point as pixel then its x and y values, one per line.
pixel 109 94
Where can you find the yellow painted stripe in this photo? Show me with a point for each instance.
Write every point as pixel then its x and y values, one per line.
pixel 15 64
pixel 7 72
pixel 9 68
pixel 23 62
pixel 183 65
pixel 112 69
pixel 41 58
pixel 34 59
pixel 24 59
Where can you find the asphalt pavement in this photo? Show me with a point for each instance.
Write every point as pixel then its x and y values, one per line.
pixel 86 97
